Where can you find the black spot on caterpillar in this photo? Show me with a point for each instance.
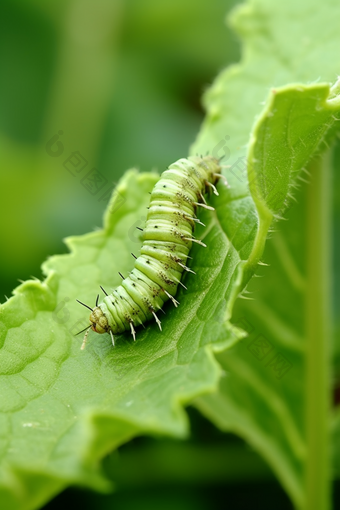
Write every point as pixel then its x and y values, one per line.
pixel 167 240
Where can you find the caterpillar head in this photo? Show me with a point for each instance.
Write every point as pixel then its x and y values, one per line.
pixel 98 320
pixel 98 323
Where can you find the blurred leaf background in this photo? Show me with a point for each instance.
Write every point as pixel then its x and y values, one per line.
pixel 122 80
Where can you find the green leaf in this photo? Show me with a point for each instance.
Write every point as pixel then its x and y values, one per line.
pixel 72 406
pixel 63 409
pixel 283 131
pixel 286 418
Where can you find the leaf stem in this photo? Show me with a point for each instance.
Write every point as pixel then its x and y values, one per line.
pixel 318 335
pixel 265 220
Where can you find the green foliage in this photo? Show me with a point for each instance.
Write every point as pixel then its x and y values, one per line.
pixel 71 406
pixel 68 408
pixel 62 409
pixel 295 123
pixel 276 413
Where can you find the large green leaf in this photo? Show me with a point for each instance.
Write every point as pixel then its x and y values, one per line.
pixel 63 409
pixel 67 407
pixel 283 415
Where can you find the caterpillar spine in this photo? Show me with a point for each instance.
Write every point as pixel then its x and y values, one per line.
pixel 167 240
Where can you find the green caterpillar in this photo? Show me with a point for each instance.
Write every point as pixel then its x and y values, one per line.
pixel 167 240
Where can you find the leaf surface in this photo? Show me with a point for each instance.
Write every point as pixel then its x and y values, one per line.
pixel 63 409
pixel 263 396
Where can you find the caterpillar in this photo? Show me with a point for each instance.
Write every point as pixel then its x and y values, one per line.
pixel 167 240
